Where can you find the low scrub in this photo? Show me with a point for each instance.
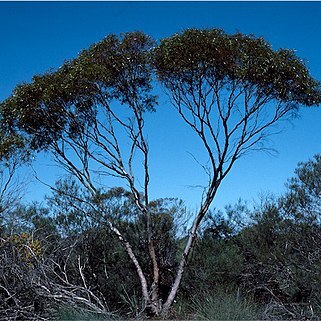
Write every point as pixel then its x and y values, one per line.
pixel 72 314
pixel 226 306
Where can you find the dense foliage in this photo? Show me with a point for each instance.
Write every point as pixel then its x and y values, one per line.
pixel 67 100
pixel 218 57
pixel 264 261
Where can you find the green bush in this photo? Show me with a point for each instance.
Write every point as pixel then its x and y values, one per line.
pixel 226 306
pixel 73 314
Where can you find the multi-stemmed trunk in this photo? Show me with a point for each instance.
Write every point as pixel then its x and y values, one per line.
pixel 153 302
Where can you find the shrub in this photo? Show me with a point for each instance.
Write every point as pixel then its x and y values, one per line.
pixel 226 306
pixel 66 313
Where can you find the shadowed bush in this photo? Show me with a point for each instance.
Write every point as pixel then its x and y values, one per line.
pixel 226 306
pixel 66 313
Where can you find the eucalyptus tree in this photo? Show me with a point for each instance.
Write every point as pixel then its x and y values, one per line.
pixel 90 115
pixel 303 198
pixel 12 188
pixel 232 91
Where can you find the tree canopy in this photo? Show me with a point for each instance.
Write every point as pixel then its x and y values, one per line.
pixel 247 60
pixel 68 99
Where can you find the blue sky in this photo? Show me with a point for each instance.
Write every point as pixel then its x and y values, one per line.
pixel 37 36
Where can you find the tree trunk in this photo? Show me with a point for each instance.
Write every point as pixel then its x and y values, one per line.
pixel 133 258
pixel 189 246
pixel 153 308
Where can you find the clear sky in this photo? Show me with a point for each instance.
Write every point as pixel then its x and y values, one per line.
pixel 37 36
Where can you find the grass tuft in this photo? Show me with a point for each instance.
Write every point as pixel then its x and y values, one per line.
pixel 226 306
pixel 73 314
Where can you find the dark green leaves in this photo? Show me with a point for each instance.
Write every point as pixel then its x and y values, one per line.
pixel 67 101
pixel 219 57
